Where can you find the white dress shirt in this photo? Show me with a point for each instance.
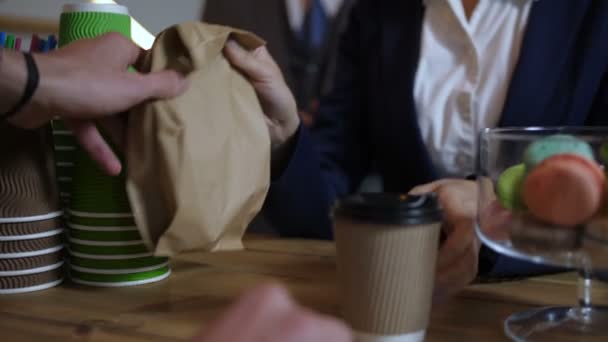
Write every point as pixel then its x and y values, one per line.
pixel 464 72
pixel 296 13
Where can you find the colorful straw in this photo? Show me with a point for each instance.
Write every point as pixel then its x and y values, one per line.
pixel 10 42
pixel 35 44
pixel 52 40
pixel 44 46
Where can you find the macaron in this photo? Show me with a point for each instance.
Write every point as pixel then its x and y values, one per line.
pixel 564 189
pixel 552 145
pixel 604 152
pixel 508 187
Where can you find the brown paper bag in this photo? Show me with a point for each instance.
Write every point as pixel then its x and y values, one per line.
pixel 198 166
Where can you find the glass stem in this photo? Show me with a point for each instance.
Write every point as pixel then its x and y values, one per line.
pixel 592 291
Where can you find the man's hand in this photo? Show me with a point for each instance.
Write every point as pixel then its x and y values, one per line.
pixel 458 256
pixel 268 314
pixel 275 97
pixel 88 80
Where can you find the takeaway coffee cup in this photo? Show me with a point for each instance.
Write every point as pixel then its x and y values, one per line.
pixel 386 251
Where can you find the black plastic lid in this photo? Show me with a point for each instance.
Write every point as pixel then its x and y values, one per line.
pixel 385 208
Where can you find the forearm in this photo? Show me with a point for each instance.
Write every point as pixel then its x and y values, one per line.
pixel 13 76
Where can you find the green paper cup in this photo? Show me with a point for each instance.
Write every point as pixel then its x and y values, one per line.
pixel 85 20
pixel 100 222
pixel 110 257
pixel 123 271
pixel 63 171
pixel 102 228
pixel 118 265
pixel 66 148
pixel 64 138
pixel 95 192
pixel 64 156
pixel 138 249
pixel 104 236
pixel 115 278
pixel 120 280
pixel 59 126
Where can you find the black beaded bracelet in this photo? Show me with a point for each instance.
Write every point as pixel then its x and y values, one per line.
pixel 33 80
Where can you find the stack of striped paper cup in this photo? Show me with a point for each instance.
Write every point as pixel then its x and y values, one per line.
pixel 105 246
pixel 31 233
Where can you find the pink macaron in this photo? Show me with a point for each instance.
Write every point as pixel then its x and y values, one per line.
pixel 565 189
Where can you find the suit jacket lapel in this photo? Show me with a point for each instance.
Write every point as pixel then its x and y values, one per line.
pixel 552 27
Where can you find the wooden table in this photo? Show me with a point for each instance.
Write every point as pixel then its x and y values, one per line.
pixel 204 284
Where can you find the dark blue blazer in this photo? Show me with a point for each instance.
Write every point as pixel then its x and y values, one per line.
pixel 369 119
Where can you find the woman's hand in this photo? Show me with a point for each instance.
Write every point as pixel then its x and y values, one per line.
pixel 276 99
pixel 457 262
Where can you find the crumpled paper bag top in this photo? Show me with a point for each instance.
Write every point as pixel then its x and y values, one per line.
pixel 198 166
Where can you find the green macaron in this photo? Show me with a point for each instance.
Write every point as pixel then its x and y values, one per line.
pixel 509 186
pixel 604 152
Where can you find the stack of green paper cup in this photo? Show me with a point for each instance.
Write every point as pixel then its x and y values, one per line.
pixel 80 21
pixel 64 146
pixel 105 246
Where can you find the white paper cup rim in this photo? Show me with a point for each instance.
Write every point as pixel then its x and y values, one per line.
pixel 32 288
pixel 31 270
pixel 33 218
pixel 32 236
pixel 100 8
pixel 32 253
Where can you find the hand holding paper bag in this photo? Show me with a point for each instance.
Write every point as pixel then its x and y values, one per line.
pixel 199 164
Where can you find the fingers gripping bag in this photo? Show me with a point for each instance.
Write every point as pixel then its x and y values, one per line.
pixel 198 165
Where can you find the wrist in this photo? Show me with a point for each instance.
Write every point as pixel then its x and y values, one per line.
pixel 282 155
pixel 292 129
pixel 37 111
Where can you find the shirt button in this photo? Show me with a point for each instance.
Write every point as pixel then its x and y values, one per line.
pixel 463 160
pixel 464 105
pixel 473 71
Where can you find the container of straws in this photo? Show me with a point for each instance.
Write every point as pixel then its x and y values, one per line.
pixel 105 247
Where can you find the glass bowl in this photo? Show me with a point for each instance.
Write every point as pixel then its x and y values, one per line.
pixel 543 198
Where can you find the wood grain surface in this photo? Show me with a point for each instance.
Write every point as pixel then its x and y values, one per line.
pixel 203 284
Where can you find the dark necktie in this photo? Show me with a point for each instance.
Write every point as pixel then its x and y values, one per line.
pixel 314 29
